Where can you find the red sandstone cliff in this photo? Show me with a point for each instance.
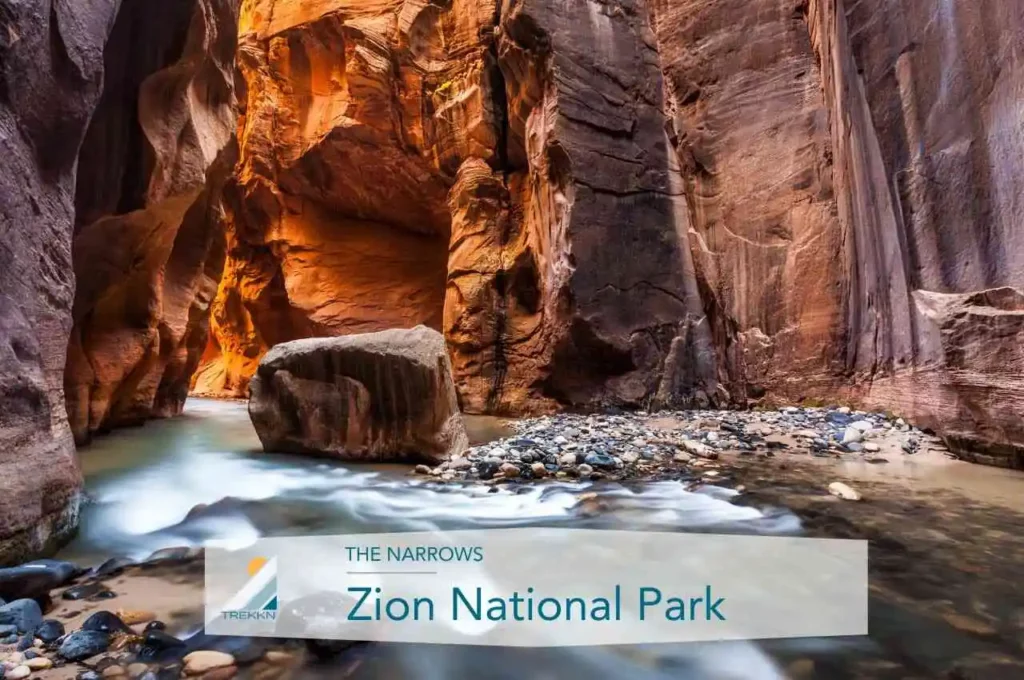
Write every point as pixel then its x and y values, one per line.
pixel 149 247
pixel 50 74
pixel 642 204
pixel 599 202
pixel 480 169
pixel 856 179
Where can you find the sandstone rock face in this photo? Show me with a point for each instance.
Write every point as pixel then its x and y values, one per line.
pixel 369 397
pixel 149 249
pixel 855 175
pixel 751 129
pixel 51 66
pixel 481 169
pixel 929 170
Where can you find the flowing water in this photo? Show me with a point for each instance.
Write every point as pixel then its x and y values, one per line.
pixel 203 477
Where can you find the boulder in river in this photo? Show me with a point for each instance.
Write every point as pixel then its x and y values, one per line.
pixel 385 396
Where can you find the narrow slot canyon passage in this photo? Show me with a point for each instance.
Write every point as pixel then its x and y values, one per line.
pixel 275 268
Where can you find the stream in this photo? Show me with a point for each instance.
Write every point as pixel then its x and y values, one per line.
pixel 203 477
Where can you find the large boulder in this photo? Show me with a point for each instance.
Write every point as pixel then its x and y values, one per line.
pixel 370 397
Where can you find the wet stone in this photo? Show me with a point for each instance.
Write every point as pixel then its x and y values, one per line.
pixel 105 622
pixel 24 614
pixel 84 591
pixel 113 567
pixel 49 630
pixel 600 461
pixel 83 644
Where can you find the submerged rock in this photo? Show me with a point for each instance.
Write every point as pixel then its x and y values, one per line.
pixel 371 397
pixel 844 491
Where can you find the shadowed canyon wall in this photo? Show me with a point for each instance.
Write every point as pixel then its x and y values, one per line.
pixel 51 68
pixel 149 247
pixel 856 176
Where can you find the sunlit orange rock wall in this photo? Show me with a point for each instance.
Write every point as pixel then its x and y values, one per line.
pixel 486 172
pixel 662 203
pixel 356 119
pixel 148 249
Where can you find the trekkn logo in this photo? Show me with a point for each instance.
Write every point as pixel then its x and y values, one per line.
pixel 257 599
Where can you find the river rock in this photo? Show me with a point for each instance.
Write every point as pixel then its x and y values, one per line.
pixel 370 397
pixel 39 663
pixel 105 622
pixel 205 660
pixel 844 491
pixel 35 579
pixel 49 630
pixel 25 614
pixel 83 644
pixel 84 591
pixel 852 435
pixel 18 673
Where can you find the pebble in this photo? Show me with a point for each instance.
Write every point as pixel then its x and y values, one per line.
pixel 17 673
pixel 538 470
pixel 862 425
pixel 205 660
pixel 585 470
pixel 872 447
pixel 84 591
pixel 844 491
pixel 600 461
pixel 39 663
pixel 133 617
pixel 422 469
pixel 509 470
pixel 852 435
pixel 278 657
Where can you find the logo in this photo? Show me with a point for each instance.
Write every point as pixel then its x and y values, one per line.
pixel 257 599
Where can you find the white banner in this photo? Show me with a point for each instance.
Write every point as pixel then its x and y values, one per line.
pixel 539 587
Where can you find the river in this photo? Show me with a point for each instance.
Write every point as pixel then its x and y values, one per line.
pixel 203 477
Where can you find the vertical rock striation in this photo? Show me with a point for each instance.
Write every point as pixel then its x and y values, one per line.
pixel 855 173
pixel 928 121
pixel 149 248
pixel 51 68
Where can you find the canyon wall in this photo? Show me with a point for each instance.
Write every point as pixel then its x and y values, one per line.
pixel 620 203
pixel 856 175
pixel 500 173
pixel 51 69
pixel 149 247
